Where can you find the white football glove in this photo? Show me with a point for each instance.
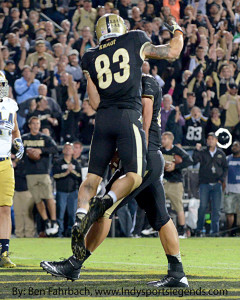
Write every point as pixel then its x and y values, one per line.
pixel 174 27
pixel 6 125
pixel 18 145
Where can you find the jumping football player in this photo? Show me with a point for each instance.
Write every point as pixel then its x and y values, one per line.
pixel 9 134
pixel 113 71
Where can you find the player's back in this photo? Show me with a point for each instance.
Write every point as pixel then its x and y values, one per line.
pixel 115 68
pixel 152 89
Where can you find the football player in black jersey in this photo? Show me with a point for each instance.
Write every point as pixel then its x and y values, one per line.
pixel 113 71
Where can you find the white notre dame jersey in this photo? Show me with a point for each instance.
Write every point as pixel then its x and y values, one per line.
pixel 8 108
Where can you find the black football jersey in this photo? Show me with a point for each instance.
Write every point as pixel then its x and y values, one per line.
pixel 115 68
pixel 151 88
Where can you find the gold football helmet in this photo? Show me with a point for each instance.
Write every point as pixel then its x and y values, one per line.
pixel 4 87
pixel 110 25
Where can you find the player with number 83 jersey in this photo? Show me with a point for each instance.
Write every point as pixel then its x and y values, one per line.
pixel 115 68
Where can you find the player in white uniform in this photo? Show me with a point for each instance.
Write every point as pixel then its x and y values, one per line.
pixel 9 135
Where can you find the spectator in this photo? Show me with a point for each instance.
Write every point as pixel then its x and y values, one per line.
pixel 53 10
pixel 217 120
pixel 108 6
pixel 86 39
pixel 173 185
pixel 61 67
pixel 142 6
pixel 13 45
pixel 179 88
pixel 87 122
pixel 66 172
pixel 25 87
pixel 47 117
pixel 123 7
pixel 212 173
pixel 167 111
pixel 194 129
pixel 23 203
pixel 84 16
pixel 62 90
pixel 71 116
pixel 136 18
pixel 12 74
pixel 50 32
pixel 232 190
pixel 77 154
pixel 66 26
pixel 233 110
pixel 174 7
pixel 37 168
pixel 73 67
pixel 40 52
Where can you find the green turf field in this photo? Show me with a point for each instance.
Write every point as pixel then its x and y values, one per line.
pixel 122 267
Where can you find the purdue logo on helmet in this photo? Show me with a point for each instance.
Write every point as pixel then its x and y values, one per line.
pixel 110 25
pixel 4 87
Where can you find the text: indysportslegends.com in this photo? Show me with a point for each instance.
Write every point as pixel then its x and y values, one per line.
pixel 134 292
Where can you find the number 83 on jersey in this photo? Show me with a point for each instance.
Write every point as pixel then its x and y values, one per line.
pixel 104 73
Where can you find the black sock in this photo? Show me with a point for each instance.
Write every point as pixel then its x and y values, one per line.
pixel 4 245
pixel 108 201
pixel 175 267
pixel 78 263
pixel 181 229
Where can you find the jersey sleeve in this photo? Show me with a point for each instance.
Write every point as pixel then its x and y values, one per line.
pixel 141 39
pixel 148 87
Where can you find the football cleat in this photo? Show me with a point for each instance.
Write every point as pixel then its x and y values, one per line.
pixel 69 268
pixel 5 261
pixel 97 208
pixel 169 281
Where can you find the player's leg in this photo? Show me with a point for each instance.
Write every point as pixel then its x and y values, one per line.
pixel 131 146
pixel 97 233
pixel 90 208
pixel 6 192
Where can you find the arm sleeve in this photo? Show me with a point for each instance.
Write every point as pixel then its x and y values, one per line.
pixel 141 39
pixel 50 146
pixel 187 160
pixel 197 157
pixel 77 172
pixel 207 110
pixel 148 87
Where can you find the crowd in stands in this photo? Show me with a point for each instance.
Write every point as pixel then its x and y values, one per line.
pixel 42 43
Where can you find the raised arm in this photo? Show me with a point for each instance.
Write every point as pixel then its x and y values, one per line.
pixel 72 92
pixel 169 51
